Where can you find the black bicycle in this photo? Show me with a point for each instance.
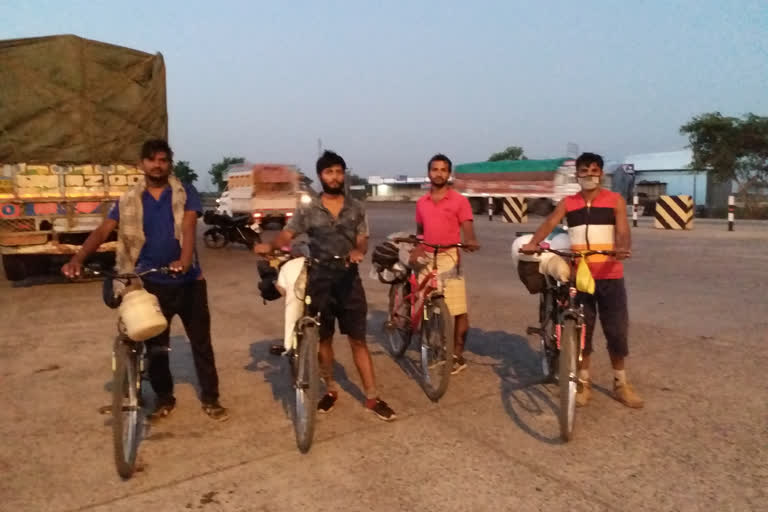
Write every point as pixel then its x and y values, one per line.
pixel 128 363
pixel 304 351
pixel 562 332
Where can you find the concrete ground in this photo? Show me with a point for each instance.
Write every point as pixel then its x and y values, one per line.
pixel 699 317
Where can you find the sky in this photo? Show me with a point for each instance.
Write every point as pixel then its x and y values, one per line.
pixel 389 83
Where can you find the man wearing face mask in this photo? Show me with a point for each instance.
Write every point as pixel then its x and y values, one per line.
pixel 597 220
pixel 337 226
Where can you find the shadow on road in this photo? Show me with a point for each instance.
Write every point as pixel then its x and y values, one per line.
pixel 522 389
pixel 410 363
pixel 277 373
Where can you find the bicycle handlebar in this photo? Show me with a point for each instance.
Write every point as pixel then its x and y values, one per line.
pixel 98 272
pixel 571 254
pixel 417 241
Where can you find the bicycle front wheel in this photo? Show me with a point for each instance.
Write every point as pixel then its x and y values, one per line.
pixel 307 386
pixel 398 326
pixel 568 377
pixel 126 409
pixel 547 339
pixel 436 348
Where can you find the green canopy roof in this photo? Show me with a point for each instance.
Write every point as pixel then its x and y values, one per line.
pixel 550 165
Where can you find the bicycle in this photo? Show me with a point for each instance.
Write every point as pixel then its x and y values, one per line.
pixel 562 333
pixel 303 355
pixel 127 370
pixel 419 306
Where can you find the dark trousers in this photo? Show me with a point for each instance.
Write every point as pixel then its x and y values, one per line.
pixel 190 302
pixel 610 300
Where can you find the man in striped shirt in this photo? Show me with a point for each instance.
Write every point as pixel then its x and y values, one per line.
pixel 597 220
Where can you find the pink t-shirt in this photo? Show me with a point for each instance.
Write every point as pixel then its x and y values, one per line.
pixel 442 220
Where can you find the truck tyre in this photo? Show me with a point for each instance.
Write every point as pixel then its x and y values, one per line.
pixel 15 267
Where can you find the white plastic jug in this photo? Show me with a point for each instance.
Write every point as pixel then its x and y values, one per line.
pixel 141 314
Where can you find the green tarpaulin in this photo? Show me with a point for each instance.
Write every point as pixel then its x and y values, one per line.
pixel 511 166
pixel 65 99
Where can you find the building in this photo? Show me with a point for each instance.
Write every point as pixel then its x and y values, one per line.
pixel 399 188
pixel 669 173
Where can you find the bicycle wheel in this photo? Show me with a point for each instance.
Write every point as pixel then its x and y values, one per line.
pixel 568 377
pixel 548 344
pixel 436 348
pixel 214 238
pixel 126 410
pixel 307 386
pixel 398 326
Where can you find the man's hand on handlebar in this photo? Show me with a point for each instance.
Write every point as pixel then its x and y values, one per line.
pixel 623 254
pixel 470 245
pixel 530 248
pixel 73 269
pixel 417 253
pixel 179 266
pixel 262 249
pixel 356 256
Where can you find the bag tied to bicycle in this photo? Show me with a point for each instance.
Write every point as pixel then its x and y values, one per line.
pixel 584 280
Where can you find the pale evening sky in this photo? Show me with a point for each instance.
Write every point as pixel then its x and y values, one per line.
pixel 387 84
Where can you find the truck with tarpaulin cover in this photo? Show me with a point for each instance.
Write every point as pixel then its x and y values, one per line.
pixel 543 183
pixel 73 116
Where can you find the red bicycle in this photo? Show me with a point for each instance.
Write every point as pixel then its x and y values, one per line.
pixel 419 307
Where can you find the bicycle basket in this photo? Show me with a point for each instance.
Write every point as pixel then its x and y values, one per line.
pixel 529 274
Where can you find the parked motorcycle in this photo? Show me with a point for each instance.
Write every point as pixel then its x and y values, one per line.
pixel 239 229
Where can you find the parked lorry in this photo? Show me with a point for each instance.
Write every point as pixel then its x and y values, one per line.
pixel 269 193
pixel 73 116
pixel 543 183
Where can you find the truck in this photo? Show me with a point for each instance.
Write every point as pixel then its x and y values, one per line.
pixel 543 183
pixel 269 193
pixel 73 117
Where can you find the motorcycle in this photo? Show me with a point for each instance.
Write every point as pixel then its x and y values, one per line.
pixel 226 229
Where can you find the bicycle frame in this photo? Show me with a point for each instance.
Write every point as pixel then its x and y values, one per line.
pixel 564 297
pixel 419 295
pixel 422 292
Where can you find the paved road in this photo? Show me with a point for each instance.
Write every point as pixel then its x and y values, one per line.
pixel 699 319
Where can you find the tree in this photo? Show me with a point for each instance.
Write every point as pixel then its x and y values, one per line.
pixel 184 172
pixel 731 149
pixel 511 153
pixel 217 170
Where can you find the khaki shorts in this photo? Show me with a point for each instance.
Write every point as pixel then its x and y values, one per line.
pixel 453 284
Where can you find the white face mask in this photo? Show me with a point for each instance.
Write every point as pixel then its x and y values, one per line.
pixel 589 182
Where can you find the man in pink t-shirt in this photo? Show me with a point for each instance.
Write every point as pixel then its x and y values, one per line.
pixel 442 214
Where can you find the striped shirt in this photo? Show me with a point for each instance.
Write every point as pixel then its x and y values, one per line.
pixel 592 226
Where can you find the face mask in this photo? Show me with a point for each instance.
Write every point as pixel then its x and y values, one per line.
pixel 589 182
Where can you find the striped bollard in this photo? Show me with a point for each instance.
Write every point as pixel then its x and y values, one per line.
pixel 731 209
pixel 634 210
pixel 490 208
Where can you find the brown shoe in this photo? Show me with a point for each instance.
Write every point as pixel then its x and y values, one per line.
pixel 583 392
pixel 626 394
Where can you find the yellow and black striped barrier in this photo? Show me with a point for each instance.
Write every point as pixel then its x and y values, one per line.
pixel 674 212
pixel 514 210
